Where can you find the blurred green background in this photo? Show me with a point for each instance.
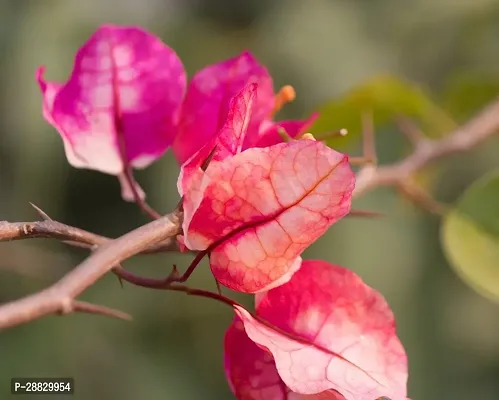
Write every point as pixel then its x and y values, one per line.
pixel 173 348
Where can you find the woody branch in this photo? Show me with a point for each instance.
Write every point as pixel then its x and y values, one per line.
pixel 61 296
pixel 159 234
pixel 478 129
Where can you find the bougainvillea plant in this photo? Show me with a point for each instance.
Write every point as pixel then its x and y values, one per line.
pixel 254 194
pixel 253 200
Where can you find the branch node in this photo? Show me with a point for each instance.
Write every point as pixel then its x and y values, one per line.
pixel 66 306
pixel 26 229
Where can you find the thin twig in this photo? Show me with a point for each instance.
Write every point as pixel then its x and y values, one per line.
pixel 415 193
pixel 139 200
pixel 152 284
pixel 89 308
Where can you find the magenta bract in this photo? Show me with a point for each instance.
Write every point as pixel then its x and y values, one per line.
pixel 121 103
pixel 349 341
pixel 226 143
pixel 208 98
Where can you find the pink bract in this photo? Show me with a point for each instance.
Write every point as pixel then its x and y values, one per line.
pixel 257 211
pixel 226 143
pixel 121 103
pixel 344 336
pixel 208 98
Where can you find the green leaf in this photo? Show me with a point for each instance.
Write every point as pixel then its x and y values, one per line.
pixel 470 236
pixel 466 93
pixel 387 97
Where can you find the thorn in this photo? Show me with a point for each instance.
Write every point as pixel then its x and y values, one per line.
pixel 174 275
pixel 217 283
pixel 46 217
pixel 219 287
pixel 40 212
pixel 115 271
pixel 180 205
pixel 208 159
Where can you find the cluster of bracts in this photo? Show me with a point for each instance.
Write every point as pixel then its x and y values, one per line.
pixel 253 201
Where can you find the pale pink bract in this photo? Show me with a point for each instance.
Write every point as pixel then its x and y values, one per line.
pixel 350 343
pixel 257 211
pixel 251 371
